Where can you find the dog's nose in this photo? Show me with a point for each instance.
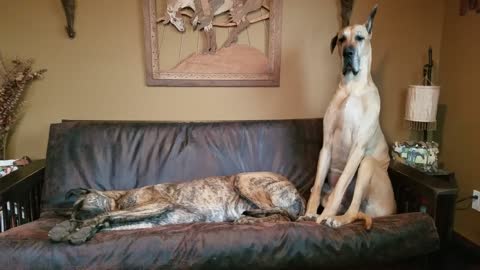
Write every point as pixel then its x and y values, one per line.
pixel 348 52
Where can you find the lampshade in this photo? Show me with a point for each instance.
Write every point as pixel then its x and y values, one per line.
pixel 421 107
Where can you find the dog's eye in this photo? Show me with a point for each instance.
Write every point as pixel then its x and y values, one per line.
pixel 359 38
pixel 342 39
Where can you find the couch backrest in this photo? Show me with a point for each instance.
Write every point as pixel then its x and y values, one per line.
pixel 109 155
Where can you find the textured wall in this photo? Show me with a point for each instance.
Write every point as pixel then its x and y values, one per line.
pixel 100 74
pixel 461 93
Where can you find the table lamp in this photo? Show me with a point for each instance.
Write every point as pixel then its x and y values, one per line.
pixel 422 103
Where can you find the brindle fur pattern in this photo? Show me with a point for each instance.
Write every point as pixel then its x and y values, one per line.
pixel 242 198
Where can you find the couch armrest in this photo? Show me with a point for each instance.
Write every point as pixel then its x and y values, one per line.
pixel 20 194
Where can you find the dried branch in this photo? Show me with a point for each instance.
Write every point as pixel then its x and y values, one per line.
pixel 15 81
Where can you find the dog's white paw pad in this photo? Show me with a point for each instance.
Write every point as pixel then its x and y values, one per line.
pixel 333 222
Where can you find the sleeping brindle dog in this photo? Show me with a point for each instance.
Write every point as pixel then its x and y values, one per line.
pixel 243 198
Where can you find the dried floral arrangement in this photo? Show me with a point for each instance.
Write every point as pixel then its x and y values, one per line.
pixel 14 81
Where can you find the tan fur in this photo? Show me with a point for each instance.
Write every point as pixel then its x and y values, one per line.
pixel 353 140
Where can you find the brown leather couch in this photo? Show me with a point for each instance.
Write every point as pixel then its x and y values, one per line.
pixel 124 155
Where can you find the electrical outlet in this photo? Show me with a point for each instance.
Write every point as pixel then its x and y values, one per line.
pixel 476 203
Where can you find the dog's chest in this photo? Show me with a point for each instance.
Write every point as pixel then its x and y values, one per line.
pixel 349 120
pixel 352 114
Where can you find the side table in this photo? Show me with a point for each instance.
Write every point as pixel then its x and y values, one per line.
pixel 416 191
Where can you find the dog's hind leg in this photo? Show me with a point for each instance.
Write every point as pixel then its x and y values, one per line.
pixel 372 183
pixel 89 203
pixel 89 227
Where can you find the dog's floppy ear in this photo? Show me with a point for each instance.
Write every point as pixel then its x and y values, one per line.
pixel 371 18
pixel 76 192
pixel 333 43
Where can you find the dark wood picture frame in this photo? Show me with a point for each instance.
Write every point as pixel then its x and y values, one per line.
pixel 156 77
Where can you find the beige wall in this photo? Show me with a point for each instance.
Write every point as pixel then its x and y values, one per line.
pixel 100 74
pixel 402 34
pixel 459 72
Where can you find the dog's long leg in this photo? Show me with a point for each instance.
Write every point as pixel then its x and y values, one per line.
pixel 322 171
pixel 344 181
pixel 366 171
pixel 324 160
pixel 89 227
pixel 133 214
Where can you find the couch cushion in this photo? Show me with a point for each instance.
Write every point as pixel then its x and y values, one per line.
pixel 124 155
pixel 225 245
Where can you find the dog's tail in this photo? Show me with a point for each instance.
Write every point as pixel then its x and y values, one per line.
pixel 366 218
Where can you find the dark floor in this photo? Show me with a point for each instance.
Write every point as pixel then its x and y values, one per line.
pixel 460 254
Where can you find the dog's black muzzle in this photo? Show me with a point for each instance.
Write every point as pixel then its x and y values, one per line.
pixel 351 61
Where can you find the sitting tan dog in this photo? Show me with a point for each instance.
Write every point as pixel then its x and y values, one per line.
pixel 242 198
pixel 354 146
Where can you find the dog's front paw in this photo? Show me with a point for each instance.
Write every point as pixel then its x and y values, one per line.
pixel 61 231
pixel 82 235
pixel 322 218
pixel 307 218
pixel 337 221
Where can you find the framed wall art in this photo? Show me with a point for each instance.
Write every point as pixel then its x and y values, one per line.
pixel 212 42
